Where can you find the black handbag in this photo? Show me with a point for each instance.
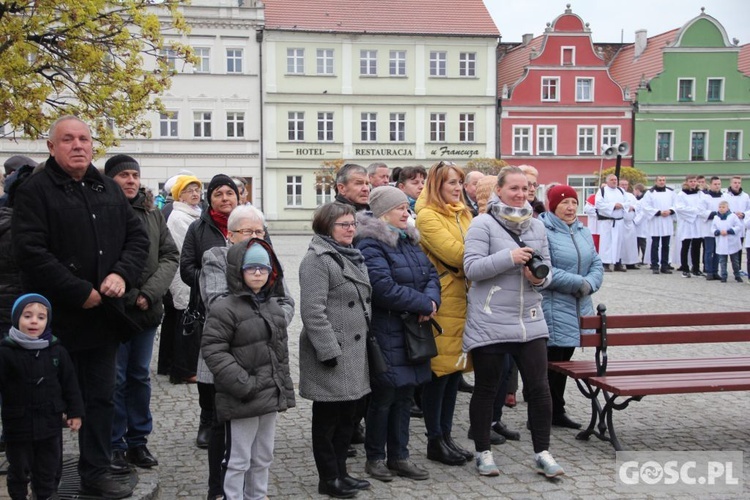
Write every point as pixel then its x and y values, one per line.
pixel 419 339
pixel 194 316
pixel 375 357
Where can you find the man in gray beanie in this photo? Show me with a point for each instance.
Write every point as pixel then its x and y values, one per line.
pixel 15 162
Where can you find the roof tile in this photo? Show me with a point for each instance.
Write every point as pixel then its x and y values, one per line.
pixel 628 70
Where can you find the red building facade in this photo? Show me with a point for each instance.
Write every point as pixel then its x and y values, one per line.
pixel 559 107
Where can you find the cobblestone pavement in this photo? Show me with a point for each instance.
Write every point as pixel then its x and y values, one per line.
pixel 696 422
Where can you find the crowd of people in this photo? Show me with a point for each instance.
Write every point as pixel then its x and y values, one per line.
pixel 497 275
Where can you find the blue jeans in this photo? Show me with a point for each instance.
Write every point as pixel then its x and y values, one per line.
pixel 439 403
pixel 132 423
pixel 388 423
pixel 710 259
pixel 735 258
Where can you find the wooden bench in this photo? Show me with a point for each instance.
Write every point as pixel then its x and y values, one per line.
pixel 619 382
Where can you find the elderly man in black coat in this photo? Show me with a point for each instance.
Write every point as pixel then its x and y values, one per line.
pixel 79 243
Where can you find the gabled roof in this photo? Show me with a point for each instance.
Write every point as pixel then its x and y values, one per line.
pixel 744 59
pixel 513 63
pixel 423 17
pixel 627 70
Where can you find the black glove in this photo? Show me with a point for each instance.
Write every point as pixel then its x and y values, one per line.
pixel 330 363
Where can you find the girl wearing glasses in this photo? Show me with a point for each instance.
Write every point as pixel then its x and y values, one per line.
pixel 335 297
pixel 442 221
pixel 244 344
pixel 506 258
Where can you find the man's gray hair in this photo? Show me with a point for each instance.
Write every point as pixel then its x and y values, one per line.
pixel 64 118
pixel 343 175
pixel 372 168
pixel 245 212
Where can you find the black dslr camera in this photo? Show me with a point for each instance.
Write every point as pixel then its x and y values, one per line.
pixel 537 266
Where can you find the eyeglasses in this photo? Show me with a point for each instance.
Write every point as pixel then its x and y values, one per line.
pixel 257 268
pixel 192 190
pixel 251 232
pixel 445 164
pixel 346 225
pixel 533 184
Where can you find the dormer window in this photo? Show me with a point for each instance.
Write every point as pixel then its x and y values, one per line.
pixel 568 56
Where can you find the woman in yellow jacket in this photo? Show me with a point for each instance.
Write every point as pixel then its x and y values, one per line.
pixel 442 220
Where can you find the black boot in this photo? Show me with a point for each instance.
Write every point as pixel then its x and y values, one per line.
pixel 336 488
pixel 438 451
pixel 464 386
pixel 450 443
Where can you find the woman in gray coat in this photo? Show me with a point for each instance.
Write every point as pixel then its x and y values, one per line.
pixel 504 314
pixel 335 296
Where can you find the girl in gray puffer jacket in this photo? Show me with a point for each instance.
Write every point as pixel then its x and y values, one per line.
pixel 244 344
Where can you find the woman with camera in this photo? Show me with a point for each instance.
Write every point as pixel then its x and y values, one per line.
pixel 577 272
pixel 507 260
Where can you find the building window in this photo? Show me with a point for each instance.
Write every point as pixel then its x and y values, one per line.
pixel 550 89
pixel 368 62
pixel 234 60
pixel 732 147
pixel 369 127
pixel 202 124
pixel 466 127
pixel 235 125
pixel 586 140
pixel 698 146
pixel 294 190
pixel 585 186
pixel 397 63
pixel 610 136
pixel 168 124
pixel 437 63
pixel 568 56
pixel 398 127
pixel 325 190
pixel 295 61
pixel 546 142
pixel 714 92
pixel 467 64
pixel 664 146
pixel 203 65
pixel 296 126
pixel 170 57
pixel 325 61
pixel 325 127
pixel 685 90
pixel 437 127
pixel 584 89
pixel 521 140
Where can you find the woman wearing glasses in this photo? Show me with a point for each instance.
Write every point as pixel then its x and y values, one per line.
pixel 506 258
pixel 442 221
pixel 335 296
pixel 186 209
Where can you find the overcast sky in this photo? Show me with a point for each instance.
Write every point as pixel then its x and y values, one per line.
pixel 606 20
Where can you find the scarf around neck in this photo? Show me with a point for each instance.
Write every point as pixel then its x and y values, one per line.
pixel 349 252
pixel 518 224
pixel 220 220
pixel 28 342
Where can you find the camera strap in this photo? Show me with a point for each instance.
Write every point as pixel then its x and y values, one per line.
pixel 513 235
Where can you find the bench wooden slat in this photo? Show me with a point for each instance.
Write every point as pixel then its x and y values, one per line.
pixel 578 369
pixel 673 383
pixel 667 320
pixel 668 337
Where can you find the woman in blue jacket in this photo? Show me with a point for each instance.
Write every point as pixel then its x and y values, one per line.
pixel 577 272
pixel 403 280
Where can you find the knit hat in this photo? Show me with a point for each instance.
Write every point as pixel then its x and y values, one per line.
pixel 219 180
pixel 118 163
pixel 255 255
pixel 15 162
pixel 23 301
pixel 558 194
pixel 182 182
pixel 383 199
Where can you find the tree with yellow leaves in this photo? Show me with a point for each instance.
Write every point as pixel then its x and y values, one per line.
pixel 87 58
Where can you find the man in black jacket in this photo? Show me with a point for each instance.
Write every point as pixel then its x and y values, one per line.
pixel 79 243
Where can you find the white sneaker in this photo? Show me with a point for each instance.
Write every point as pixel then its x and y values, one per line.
pixel 486 464
pixel 546 465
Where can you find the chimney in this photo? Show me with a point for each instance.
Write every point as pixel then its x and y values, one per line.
pixel 526 38
pixel 640 42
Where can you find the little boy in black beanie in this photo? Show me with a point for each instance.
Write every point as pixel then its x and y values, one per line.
pixel 38 384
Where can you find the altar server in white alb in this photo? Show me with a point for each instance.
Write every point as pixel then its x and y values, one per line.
pixel 629 248
pixel 610 210
pixel 688 206
pixel 739 203
pixel 658 207
pixel 710 200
